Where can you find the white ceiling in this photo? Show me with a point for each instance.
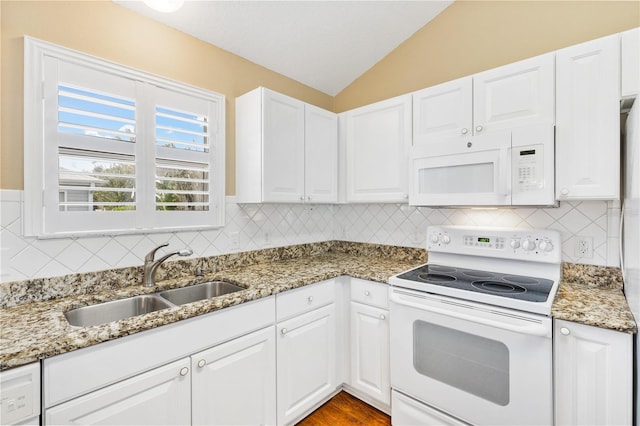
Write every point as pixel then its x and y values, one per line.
pixel 323 44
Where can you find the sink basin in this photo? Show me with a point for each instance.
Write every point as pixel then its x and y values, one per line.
pixel 181 296
pixel 116 310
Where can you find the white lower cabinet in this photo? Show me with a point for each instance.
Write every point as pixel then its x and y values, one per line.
pixel 235 383
pixel 593 375
pixel 306 365
pixel 306 350
pixel 369 343
pixel 160 396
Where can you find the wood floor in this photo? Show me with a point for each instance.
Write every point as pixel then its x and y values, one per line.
pixel 344 409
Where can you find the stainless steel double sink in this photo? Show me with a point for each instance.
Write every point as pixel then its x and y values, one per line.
pixel 103 313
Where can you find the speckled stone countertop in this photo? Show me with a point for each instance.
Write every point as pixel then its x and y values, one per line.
pixel 592 295
pixel 36 330
pixel 33 327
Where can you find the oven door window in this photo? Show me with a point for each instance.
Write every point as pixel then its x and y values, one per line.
pixel 470 363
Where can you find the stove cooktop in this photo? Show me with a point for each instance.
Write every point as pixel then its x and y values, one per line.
pixel 524 288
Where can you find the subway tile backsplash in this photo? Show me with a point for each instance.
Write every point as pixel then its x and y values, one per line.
pixel 251 227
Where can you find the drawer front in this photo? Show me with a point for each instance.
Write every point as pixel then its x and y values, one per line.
pixel 369 293
pixel 304 299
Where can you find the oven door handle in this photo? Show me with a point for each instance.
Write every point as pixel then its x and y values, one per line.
pixel 527 326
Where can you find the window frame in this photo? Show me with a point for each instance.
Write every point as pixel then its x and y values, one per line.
pixel 40 166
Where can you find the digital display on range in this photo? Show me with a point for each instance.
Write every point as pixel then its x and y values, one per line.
pixel 484 239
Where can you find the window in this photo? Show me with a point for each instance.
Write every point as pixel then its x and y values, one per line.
pixel 109 149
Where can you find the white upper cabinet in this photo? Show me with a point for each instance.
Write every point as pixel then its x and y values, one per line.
pixel 276 137
pixel 630 72
pixel 321 155
pixel 514 95
pixel 588 120
pixel 503 98
pixel 378 138
pixel 443 112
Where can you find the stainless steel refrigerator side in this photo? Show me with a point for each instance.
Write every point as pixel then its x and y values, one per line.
pixel 631 230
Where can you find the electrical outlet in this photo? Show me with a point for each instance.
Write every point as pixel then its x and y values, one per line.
pixel 234 240
pixel 584 247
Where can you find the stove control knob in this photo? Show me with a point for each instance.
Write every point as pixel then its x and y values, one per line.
pixel 435 238
pixel 446 239
pixel 514 244
pixel 546 245
pixel 528 244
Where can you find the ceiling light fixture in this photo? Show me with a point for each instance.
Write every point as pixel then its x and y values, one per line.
pixel 165 6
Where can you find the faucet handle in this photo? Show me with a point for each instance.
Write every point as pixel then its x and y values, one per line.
pixel 152 254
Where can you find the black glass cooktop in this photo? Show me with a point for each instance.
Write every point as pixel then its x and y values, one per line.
pixel 527 288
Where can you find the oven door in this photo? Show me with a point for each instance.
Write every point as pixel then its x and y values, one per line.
pixel 480 364
pixel 475 171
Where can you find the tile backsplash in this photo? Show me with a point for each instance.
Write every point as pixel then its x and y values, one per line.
pixel 251 227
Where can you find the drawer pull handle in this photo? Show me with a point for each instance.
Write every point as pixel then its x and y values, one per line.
pixel 283 331
pixel 184 371
pixel 382 317
pixel 367 293
pixel 310 298
pixel 202 363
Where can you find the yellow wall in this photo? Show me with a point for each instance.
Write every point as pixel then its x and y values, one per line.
pixel 104 29
pixel 467 37
pixel 472 36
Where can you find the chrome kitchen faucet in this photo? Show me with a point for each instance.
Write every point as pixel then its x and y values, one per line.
pixel 151 265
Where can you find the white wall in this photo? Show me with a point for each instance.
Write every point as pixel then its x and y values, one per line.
pixel 260 226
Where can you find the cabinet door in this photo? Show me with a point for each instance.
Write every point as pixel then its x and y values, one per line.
pixel 378 141
pixel 443 112
pixel 321 155
pixel 370 351
pixel 159 397
pixel 630 60
pixel 306 362
pixel 514 95
pixel 593 375
pixel 235 383
pixel 588 121
pixel 283 148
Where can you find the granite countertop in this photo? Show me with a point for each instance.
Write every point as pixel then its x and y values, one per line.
pixel 34 328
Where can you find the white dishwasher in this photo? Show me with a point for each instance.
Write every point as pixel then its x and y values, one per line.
pixel 20 395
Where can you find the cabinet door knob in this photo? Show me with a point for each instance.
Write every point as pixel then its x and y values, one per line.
pixel 283 331
pixel 464 131
pixel 202 363
pixel 565 331
pixel 564 191
pixel 469 144
pixel 478 128
pixel 184 371
pixel 367 293
pixel 382 317
pixel 310 299
pixel 309 198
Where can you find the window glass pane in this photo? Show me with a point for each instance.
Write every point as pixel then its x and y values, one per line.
pixel 182 186
pixel 181 130
pixel 465 361
pixel 96 182
pixel 86 112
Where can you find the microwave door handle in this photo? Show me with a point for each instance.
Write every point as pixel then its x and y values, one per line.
pixel 504 182
pixel 529 328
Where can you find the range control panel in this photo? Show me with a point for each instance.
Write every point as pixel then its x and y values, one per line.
pixel 542 245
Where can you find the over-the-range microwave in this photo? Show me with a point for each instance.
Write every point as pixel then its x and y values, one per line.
pixel 503 168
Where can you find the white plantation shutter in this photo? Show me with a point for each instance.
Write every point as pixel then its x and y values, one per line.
pixel 114 149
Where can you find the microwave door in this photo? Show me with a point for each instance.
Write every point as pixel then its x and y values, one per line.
pixel 472 176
